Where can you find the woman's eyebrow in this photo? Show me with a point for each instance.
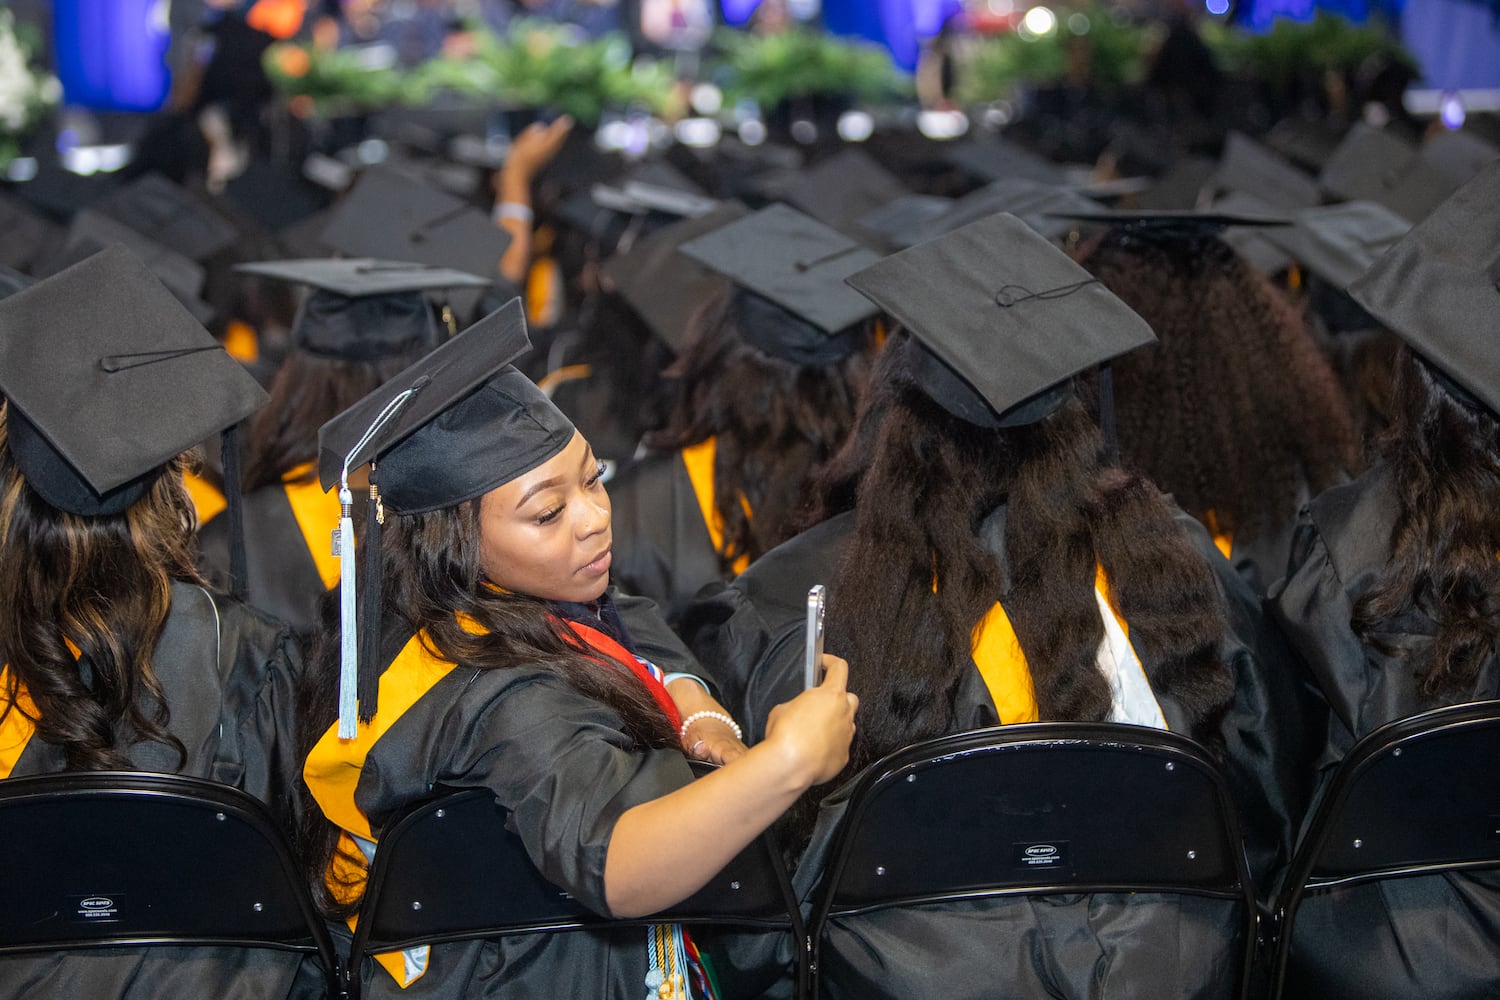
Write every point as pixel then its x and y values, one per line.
pixel 537 488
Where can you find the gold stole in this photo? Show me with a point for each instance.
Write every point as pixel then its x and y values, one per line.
pixel 208 499
pixel 997 653
pixel 317 515
pixel 699 459
pixel 17 728
pixel 333 768
pixel 1223 540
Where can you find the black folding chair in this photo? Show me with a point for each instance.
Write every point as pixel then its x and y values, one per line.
pixel 1037 810
pixel 448 869
pixel 113 858
pixel 1419 796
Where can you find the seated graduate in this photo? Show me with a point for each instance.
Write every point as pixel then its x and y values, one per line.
pixel 986 566
pixel 505 662
pixel 115 655
pixel 1234 412
pixel 364 321
pixel 1390 596
pixel 769 376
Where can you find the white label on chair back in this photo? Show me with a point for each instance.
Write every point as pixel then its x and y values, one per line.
pixel 96 909
pixel 1051 854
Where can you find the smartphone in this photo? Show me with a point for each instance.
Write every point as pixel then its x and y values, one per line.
pixel 812 671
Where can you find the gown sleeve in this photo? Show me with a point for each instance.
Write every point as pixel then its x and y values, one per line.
pixel 558 760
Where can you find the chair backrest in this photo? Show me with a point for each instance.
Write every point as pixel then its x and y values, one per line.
pixel 450 869
pixel 124 858
pixel 1418 796
pixel 1037 809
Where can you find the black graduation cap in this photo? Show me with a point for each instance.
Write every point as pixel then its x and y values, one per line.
pixel 1442 165
pixel 1439 288
pixel 171 214
pixel 1252 168
pixel 458 423
pixel 390 216
pixel 1458 155
pixel 1044 207
pixel 29 237
pixel 107 379
pixel 993 158
pixel 616 213
pixel 664 287
pixel 1004 319
pixel 363 309
pixel 1250 241
pixel 841 189
pixel 1367 162
pixel 1340 242
pixel 1183 185
pixel 92 231
pixel 902 222
pixel 1305 142
pixel 275 195
pixel 793 261
pixel 12 281
pixel 432 449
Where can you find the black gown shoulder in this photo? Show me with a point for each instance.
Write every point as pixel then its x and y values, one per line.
pixel 662 549
pixel 228 674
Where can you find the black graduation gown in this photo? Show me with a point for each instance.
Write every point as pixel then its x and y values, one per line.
pixel 662 548
pixel 562 764
pixel 1421 937
pixel 236 723
pixel 749 636
pixel 281 577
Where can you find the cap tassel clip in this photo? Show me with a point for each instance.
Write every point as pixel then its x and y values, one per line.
pixel 349 634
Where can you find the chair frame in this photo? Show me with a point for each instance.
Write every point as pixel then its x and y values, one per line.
pixel 1389 738
pixel 1033 737
pixel 181 790
pixel 387 857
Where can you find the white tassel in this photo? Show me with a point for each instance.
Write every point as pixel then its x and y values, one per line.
pixel 349 639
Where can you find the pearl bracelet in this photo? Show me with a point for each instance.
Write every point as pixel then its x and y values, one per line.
pixel 719 716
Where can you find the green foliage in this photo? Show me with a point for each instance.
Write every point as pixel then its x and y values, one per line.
pixel 535 64
pixel 1115 47
pixel 800 62
pixel 1328 42
pixel 338 81
pixel 546 65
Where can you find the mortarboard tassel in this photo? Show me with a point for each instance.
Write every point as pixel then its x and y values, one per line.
pixel 351 676
pixel 229 457
pixel 368 637
pixel 348 649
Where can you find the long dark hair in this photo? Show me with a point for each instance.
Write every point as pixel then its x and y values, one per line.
pixel 916 577
pixel 1444 457
pixel 775 422
pixel 103 584
pixel 1235 412
pixel 432 576
pixel 308 391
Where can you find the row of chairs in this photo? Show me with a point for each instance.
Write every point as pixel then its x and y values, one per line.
pixel 1031 810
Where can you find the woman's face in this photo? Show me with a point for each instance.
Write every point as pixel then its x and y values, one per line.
pixel 547 533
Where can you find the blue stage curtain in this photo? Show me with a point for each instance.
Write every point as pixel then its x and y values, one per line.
pixel 110 54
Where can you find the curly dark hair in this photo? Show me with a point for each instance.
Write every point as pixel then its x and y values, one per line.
pixel 923 482
pixel 1235 412
pixel 776 422
pixel 1444 456
pixel 103 584
pixel 432 575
